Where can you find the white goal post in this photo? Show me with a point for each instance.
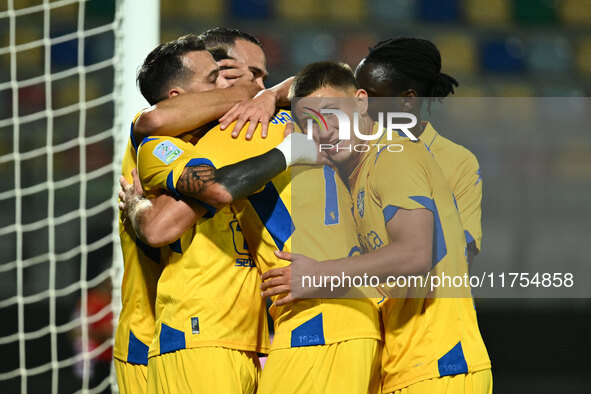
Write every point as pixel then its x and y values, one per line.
pixel 67 97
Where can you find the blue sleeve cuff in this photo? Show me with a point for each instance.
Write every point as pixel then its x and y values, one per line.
pixel 389 212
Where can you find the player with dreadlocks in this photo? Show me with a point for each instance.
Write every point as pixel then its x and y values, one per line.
pixel 411 68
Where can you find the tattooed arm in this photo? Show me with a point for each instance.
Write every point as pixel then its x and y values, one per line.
pixel 219 187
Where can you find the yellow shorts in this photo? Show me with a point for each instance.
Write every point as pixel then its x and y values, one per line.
pixel 468 383
pixel 131 378
pixel 345 367
pixel 204 370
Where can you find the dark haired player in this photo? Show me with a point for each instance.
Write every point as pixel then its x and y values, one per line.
pixel 189 68
pixel 411 67
pixel 324 345
pixel 175 69
pixel 408 226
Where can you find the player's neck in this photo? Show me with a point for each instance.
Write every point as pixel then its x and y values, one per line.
pixel 419 128
pixel 367 125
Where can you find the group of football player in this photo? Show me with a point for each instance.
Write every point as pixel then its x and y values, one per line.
pixel 233 192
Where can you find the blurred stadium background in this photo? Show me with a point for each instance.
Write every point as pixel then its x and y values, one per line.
pixel 495 48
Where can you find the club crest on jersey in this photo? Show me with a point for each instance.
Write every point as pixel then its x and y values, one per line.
pixel 167 152
pixel 361 202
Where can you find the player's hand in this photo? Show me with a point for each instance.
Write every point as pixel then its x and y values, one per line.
pixel 129 193
pixel 277 281
pixel 259 109
pixel 235 71
pixel 288 129
pixel 285 281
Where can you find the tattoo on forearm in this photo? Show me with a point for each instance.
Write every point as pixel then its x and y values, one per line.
pixel 196 179
pixel 239 180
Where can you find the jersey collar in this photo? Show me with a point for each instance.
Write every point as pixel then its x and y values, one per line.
pixel 428 135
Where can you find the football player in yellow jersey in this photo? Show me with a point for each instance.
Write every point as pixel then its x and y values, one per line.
pixel 141 262
pixel 328 345
pixel 237 367
pixel 355 319
pixel 324 345
pixel 142 266
pixel 411 67
pixel 409 225
pixel 333 343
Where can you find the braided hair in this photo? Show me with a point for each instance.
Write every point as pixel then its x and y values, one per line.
pixel 412 63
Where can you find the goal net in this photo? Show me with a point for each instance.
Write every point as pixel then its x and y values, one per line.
pixel 61 130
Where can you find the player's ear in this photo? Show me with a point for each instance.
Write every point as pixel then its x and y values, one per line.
pixel 362 104
pixel 409 100
pixel 174 92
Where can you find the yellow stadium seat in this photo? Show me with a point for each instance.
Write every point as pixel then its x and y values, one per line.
pixel 202 9
pixel 303 10
pixel 65 92
pixel 26 34
pixel 470 90
pixel 348 11
pixel 575 12
pixel 29 63
pixel 65 14
pixel 584 57
pixel 514 90
pixel 21 4
pixel 488 13
pixel 458 53
pixel 171 33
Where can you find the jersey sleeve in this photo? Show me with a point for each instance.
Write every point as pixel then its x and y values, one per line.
pixel 400 180
pixel 468 194
pixel 161 161
pixel 230 150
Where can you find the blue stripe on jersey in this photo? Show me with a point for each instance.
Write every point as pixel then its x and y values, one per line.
pixel 453 362
pixel 171 339
pixel 331 199
pixel 150 252
pixel 148 139
pixel 469 237
pixel 199 162
pixel 273 213
pixel 170 184
pixel 211 210
pixel 310 333
pixel 389 213
pixel 137 351
pixel 131 138
pixel 440 249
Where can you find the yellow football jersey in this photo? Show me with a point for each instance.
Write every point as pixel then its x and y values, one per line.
pixel 208 293
pixel 141 271
pixel 462 172
pixel 322 228
pixel 424 337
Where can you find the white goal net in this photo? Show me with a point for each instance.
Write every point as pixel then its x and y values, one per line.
pixel 59 161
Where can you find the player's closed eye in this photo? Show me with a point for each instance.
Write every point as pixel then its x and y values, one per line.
pixel 213 76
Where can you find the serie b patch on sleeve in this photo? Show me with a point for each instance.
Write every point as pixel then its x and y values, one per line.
pixel 167 152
